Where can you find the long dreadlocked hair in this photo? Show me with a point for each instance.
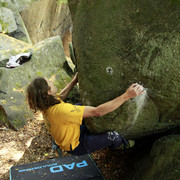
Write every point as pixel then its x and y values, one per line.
pixel 38 97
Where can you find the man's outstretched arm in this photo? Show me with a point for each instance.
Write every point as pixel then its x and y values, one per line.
pixel 133 91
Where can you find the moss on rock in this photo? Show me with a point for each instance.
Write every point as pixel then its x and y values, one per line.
pixel 121 42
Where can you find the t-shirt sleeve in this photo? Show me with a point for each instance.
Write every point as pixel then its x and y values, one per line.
pixel 71 113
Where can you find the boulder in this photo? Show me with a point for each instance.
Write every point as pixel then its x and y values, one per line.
pixel 10 46
pixel 51 20
pixel 162 163
pixel 8 23
pixel 11 21
pixel 117 43
pixel 47 61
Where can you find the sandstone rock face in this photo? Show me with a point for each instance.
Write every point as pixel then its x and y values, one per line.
pixel 47 61
pixel 121 42
pixel 162 162
pixel 45 18
pixel 11 21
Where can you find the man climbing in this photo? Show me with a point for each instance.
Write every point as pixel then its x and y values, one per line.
pixel 64 120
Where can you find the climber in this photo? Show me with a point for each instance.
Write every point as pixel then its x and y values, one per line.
pixel 64 120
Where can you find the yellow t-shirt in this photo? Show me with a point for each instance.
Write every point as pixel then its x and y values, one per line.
pixel 63 121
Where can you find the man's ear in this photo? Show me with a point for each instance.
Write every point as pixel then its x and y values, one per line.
pixel 49 90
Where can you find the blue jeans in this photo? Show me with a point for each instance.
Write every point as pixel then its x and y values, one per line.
pixel 90 143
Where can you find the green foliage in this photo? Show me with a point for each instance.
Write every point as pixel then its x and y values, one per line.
pixel 61 1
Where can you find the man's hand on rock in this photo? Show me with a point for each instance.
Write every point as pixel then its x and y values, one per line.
pixel 134 90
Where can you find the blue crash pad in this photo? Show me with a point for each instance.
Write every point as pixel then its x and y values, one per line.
pixel 69 168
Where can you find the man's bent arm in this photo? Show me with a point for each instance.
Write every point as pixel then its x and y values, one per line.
pixel 65 92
